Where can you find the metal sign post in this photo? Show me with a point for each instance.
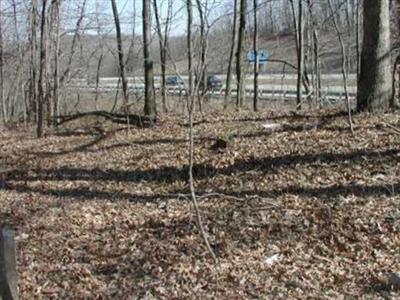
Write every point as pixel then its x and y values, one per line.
pixel 260 55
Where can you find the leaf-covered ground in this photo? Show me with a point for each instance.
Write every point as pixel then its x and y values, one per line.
pixel 307 211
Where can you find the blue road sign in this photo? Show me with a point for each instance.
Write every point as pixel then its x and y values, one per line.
pixel 262 56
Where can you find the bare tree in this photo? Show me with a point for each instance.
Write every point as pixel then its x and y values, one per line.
pixel 101 56
pixel 150 99
pixel 203 52
pixel 50 24
pixel 56 73
pixel 315 53
pixel 2 100
pixel 375 82
pixel 42 69
pixel 357 37
pixel 231 55
pixel 343 69
pixel 395 101
pixel 77 31
pixel 121 58
pixel 191 94
pixel 163 36
pixel 32 111
pixel 299 29
pixel 189 44
pixel 255 49
pixel 240 78
pixel 14 79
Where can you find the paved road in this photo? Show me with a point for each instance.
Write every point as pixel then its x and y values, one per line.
pixel 275 85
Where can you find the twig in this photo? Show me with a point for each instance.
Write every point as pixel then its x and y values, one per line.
pixel 220 196
pixel 394 128
pixel 261 208
pixel 226 197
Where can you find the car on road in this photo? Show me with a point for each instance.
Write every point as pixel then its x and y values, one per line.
pixel 214 82
pixel 174 81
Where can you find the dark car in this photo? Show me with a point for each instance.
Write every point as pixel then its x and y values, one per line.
pixel 174 80
pixel 214 83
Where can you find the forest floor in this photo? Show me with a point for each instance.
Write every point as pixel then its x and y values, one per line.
pixel 306 211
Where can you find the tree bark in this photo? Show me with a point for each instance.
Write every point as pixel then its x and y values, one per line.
pixel 375 81
pixel 149 95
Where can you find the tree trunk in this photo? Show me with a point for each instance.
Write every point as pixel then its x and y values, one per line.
pixel 163 44
pixel 121 58
pixel 56 91
pixel 14 90
pixel 189 8
pixel 357 37
pixel 375 81
pixel 98 68
pixel 317 86
pixel 50 36
pixel 300 53
pixel 149 95
pixel 343 69
pixel 255 49
pixel 32 110
pixel 395 101
pixel 42 71
pixel 231 56
pixel 203 55
pixel 190 98
pixel 2 100
pixel 239 52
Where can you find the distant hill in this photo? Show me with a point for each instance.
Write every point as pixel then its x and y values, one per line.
pixel 280 47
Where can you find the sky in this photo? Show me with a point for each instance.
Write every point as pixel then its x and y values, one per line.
pixel 127 7
pixel 126 10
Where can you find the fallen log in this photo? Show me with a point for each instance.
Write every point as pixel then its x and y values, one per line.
pixel 136 120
